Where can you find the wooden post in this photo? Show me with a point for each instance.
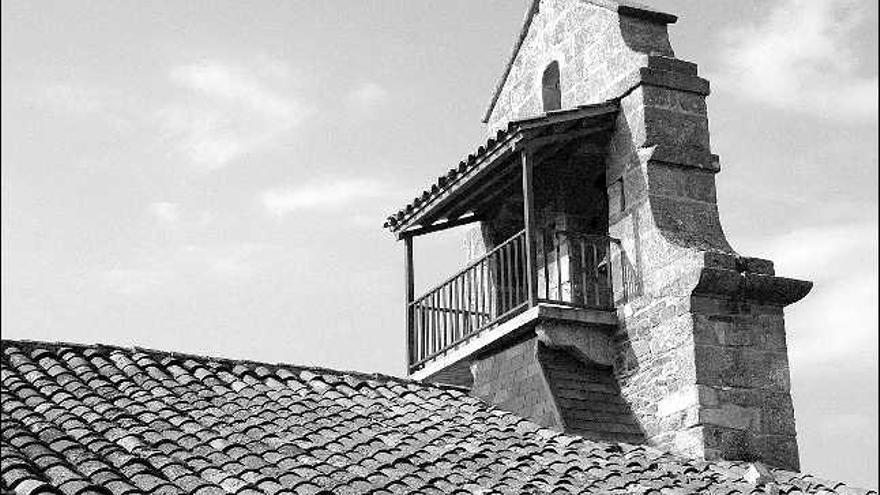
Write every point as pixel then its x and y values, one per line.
pixel 410 295
pixel 530 230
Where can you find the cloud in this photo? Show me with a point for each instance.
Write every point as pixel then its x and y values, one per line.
pixel 368 95
pixel 799 57
pixel 74 99
pixel 164 212
pixel 86 101
pixel 322 195
pixel 190 266
pixel 134 281
pixel 231 261
pixel 837 321
pixel 228 113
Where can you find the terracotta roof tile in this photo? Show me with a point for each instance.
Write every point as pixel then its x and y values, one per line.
pixel 99 419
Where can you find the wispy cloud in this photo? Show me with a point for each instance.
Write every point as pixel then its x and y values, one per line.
pixel 134 281
pixel 228 112
pixel 368 95
pixel 322 195
pixel 74 99
pixel 838 319
pixel 799 57
pixel 164 212
pixel 177 268
pixel 88 101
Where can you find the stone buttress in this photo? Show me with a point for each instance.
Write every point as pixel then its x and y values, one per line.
pixel 697 363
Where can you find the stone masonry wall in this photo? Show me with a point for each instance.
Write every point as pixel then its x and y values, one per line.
pixel 593 52
pixel 513 380
pixel 701 356
pixel 557 388
pixel 743 381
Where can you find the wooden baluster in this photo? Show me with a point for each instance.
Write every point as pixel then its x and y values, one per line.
pixel 558 241
pixel 458 313
pixel 436 322
pixel 516 271
pixel 426 325
pixel 470 299
pixel 466 288
pixel 410 295
pixel 546 265
pixel 529 224
pixel 511 261
pixel 444 317
pixel 490 288
pixel 502 275
pixel 450 294
pixel 484 291
pixel 609 276
pixel 597 297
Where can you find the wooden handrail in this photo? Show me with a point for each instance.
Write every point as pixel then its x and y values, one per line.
pixel 469 266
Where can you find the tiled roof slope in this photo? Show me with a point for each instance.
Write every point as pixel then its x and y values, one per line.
pixel 104 420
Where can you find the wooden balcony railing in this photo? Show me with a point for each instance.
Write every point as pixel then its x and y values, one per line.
pixel 487 290
pixel 575 269
pixel 572 269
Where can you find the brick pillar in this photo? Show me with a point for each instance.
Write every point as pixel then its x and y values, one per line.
pixel 701 355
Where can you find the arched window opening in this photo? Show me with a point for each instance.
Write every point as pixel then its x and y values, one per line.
pixel 551 91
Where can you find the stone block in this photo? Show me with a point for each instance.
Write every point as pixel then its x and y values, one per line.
pixel 711 330
pixel 645 37
pixel 777 415
pixel 677 401
pixel 713 365
pixel 778 451
pixel 707 396
pixel 732 416
pixel 770 332
pixel 672 64
pixel 674 81
pixel 755 265
pixel 731 444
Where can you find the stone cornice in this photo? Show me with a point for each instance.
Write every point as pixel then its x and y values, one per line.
pixel 763 288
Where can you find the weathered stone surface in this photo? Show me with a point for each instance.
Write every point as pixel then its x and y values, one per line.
pixel 589 342
pixel 700 353
pixel 556 388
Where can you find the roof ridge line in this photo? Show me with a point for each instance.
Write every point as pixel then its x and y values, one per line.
pixel 31 344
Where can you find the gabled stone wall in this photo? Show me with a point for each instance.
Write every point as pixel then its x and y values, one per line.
pixel 700 348
pixel 595 47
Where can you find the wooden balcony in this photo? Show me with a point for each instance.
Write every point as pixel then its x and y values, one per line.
pixel 573 270
pixel 546 176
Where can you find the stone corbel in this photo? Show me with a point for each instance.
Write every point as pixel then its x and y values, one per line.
pixel 752 280
pixel 588 342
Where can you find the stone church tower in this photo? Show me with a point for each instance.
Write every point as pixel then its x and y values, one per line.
pixel 690 356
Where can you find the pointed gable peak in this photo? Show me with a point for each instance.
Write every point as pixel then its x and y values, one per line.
pixel 554 28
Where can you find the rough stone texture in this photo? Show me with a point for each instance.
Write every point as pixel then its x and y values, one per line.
pixel 514 380
pixel 557 389
pixel 590 343
pixel 700 350
pixel 596 50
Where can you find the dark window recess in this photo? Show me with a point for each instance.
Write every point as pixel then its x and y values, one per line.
pixel 551 91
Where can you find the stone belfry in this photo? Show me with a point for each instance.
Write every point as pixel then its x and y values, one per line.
pixel 601 296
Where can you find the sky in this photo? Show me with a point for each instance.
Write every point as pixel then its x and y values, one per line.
pixel 212 177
